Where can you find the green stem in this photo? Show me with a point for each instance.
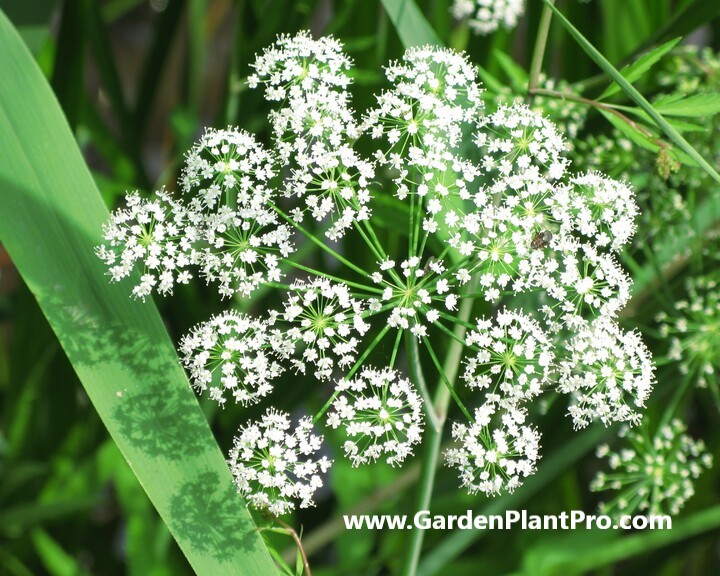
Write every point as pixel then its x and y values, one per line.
pixel 540 44
pixel 434 437
pixel 396 347
pixel 677 397
pixel 319 243
pixel 448 385
pixel 418 378
pixel 354 369
pixel 363 287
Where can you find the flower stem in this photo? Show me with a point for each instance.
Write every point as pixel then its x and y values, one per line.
pixel 354 369
pixel 319 243
pixel 540 44
pixel 443 377
pixel 363 287
pixel 434 437
pixel 418 378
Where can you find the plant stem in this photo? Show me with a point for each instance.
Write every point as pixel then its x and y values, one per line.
pixel 540 44
pixel 434 437
pixel 354 369
pixel 418 378
pixel 319 243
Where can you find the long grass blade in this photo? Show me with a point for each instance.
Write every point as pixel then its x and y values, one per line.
pixel 634 95
pixel 50 219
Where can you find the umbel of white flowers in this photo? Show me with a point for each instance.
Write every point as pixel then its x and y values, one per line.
pixel 486 16
pixel 491 211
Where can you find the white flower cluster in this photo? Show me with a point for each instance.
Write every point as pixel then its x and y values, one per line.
pixel 486 16
pixel 315 129
pixel 229 229
pixel 159 235
pixel 607 372
pixel 492 211
pixel 381 415
pixel 512 357
pixel 653 476
pixel 693 328
pixel 416 291
pixel 497 449
pixel 327 320
pixel 232 354
pixel 274 465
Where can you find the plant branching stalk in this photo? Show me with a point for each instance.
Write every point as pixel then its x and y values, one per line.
pixel 418 378
pixel 434 436
pixel 540 44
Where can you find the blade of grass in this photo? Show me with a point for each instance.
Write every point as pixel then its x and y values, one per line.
pixel 633 94
pixel 50 219
pixel 411 25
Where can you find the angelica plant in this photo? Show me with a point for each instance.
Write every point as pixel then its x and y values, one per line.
pixel 492 210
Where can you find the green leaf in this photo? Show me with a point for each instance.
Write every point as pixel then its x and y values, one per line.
pixel 56 560
pixel 634 95
pixel 635 70
pixel 490 81
pixel 693 16
pixel 574 559
pixel 50 219
pixel 695 105
pixel 411 25
pixel 518 77
pixel 632 133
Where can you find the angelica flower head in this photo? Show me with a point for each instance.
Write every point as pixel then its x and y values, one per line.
pixel 435 92
pixel 232 355
pixel 486 16
pixel 496 450
pixel 608 373
pixel 513 357
pixel 326 323
pixel 228 168
pixel 380 414
pixel 484 206
pixel 417 293
pixel 651 475
pixel 156 234
pixel 693 330
pixel 274 465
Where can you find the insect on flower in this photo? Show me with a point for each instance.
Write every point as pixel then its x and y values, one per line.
pixel 541 240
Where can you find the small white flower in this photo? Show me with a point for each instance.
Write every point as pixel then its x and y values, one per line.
pixel 652 475
pixel 512 356
pixel 435 91
pixel 693 330
pixel 599 209
pixel 326 323
pixel 516 141
pixel 245 248
pixel 158 235
pixel 415 291
pixel 227 168
pixel 607 372
pixel 486 16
